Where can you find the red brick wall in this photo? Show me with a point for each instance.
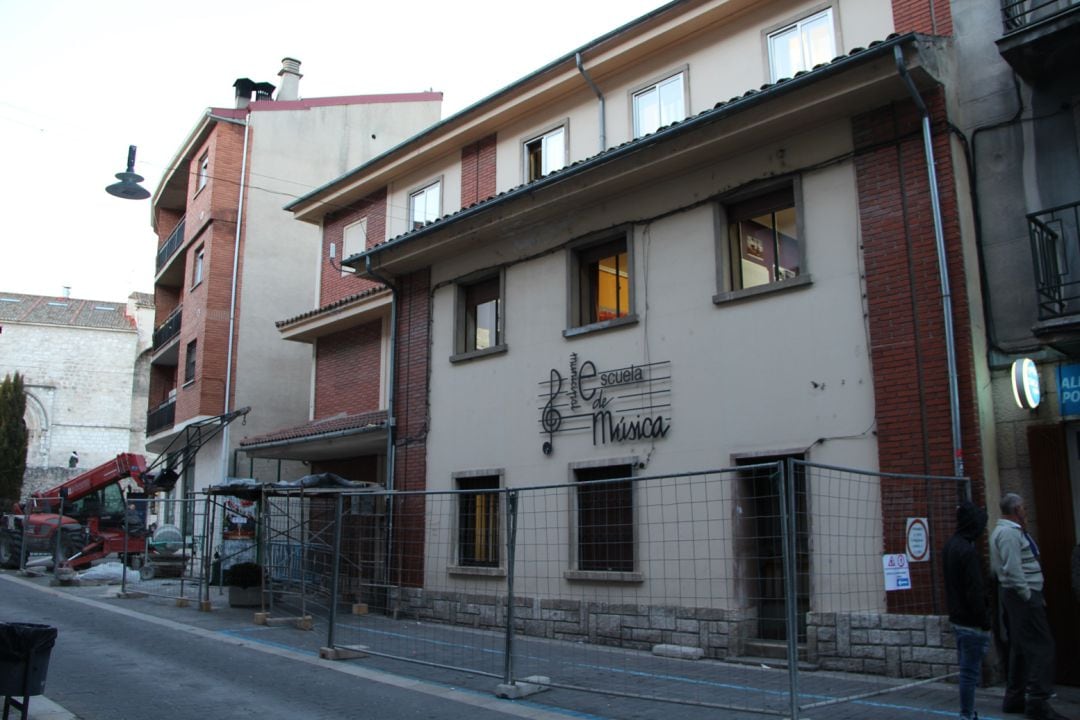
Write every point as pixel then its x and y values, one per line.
pixel 413 359
pixel 478 171
pixel 932 17
pixel 335 287
pixel 906 320
pixel 347 371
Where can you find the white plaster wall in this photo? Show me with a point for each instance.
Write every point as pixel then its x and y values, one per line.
pixel 290 153
pixel 786 372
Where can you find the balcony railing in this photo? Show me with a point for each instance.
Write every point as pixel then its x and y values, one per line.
pixel 1055 247
pixel 167 330
pixel 161 417
pixel 176 239
pixel 1018 14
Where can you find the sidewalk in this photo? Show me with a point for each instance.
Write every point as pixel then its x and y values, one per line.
pixel 228 624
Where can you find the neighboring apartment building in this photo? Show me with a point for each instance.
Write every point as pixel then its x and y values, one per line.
pixel 231 261
pixel 85 365
pixel 1017 114
pixel 722 207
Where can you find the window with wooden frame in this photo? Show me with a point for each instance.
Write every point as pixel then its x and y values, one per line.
pixel 763 239
pixel 478 521
pixel 602 281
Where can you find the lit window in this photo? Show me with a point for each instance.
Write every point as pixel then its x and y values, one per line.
pixel 602 282
pixel 424 205
pixel 545 154
pixel 658 105
pixel 763 240
pixel 478 521
pixel 802 45
pixel 204 171
pixel 353 241
pixel 605 519
pixel 482 301
pixel 189 362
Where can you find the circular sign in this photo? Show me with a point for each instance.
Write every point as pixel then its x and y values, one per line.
pixel 1027 391
pixel 918 540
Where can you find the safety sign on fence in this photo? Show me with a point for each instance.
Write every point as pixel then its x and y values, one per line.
pixel 897 576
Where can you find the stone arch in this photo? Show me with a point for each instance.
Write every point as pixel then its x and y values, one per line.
pixel 37 425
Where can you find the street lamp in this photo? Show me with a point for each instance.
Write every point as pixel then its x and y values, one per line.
pixel 129 187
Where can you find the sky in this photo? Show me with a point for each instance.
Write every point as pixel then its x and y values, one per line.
pixel 82 80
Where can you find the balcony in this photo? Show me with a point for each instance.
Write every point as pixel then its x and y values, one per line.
pixel 1055 248
pixel 172 245
pixel 169 329
pixel 1040 38
pixel 162 417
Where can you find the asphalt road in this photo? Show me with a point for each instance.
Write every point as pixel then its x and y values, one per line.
pixel 121 664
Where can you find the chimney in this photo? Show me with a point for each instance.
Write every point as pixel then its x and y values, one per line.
pixel 244 87
pixel 67 291
pixel 290 79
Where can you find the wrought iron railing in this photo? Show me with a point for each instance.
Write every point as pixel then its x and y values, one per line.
pixel 169 329
pixel 166 251
pixel 1055 248
pixel 161 417
pixel 1018 14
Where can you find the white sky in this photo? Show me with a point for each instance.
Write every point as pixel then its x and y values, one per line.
pixel 83 79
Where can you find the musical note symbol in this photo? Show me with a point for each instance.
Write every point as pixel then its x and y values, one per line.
pixel 551 418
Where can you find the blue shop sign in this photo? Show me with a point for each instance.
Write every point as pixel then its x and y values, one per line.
pixel 1068 377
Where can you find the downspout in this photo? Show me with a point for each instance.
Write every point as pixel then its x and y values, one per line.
pixel 600 97
pixel 391 421
pixel 946 293
pixel 232 299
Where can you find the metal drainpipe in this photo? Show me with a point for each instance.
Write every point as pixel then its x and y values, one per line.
pixel 232 300
pixel 391 421
pixel 600 96
pixel 943 268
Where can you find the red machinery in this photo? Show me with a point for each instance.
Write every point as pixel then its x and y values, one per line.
pixel 91 511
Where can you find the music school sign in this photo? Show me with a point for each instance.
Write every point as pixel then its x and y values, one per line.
pixel 617 404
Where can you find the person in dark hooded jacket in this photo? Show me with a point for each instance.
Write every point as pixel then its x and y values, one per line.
pixel 969 612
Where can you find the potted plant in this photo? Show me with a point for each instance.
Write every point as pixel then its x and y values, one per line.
pixel 245 584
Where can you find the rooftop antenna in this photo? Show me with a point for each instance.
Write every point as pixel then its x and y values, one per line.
pixel 129 187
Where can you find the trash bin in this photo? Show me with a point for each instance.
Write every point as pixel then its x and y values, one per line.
pixel 25 649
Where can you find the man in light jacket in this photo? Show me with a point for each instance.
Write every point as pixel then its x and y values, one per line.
pixel 1014 559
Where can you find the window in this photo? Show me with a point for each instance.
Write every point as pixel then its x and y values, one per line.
pixel 481 321
pixel 478 521
pixel 204 171
pixel 353 241
pixel 601 281
pixel 802 45
pixel 189 362
pixel 605 518
pixel 659 104
pixel 197 268
pixel 424 205
pixel 763 240
pixel 545 154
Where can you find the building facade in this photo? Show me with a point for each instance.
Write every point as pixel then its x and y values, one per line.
pixel 85 364
pixel 724 234
pixel 229 264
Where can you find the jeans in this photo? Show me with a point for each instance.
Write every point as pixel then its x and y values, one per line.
pixel 971 645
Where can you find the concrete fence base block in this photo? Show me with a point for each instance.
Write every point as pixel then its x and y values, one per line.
pixel 262 618
pixel 130 595
pixel 360 609
pixel 681 652
pixel 205 606
pixel 343 653
pixel 523 688
pixel 182 602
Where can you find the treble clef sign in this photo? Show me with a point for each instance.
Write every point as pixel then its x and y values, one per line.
pixel 551 418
